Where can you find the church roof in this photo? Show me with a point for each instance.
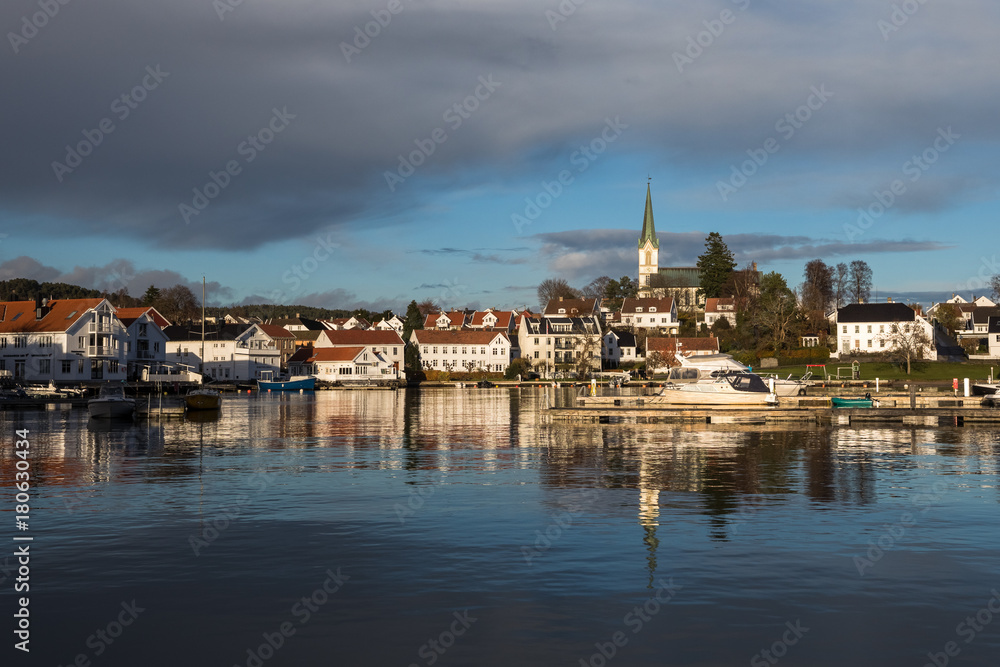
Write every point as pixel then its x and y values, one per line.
pixel 648 230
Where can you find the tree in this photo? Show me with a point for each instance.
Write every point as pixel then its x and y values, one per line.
pixel 518 366
pixel 776 308
pixel 906 341
pixel 715 265
pixel 654 360
pixel 859 284
pixel 587 350
pixel 995 287
pixel 177 304
pixel 949 316
pixel 596 287
pixel 616 291
pixel 413 320
pixel 840 284
pixel 553 288
pixel 151 295
pixel 426 307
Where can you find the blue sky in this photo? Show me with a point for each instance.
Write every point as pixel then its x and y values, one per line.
pixel 262 146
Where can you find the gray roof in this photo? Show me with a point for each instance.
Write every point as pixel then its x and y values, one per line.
pixel 876 312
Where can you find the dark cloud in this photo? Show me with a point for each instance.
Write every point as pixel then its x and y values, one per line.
pixel 477 255
pixel 353 120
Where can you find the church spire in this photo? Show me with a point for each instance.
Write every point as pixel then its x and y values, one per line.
pixel 648 230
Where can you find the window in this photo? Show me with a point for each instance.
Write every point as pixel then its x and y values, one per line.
pixel 156 346
pixel 652 309
pixel 881 328
pixel 20 341
pixel 845 328
pixel 869 328
pixel 142 329
pixel 395 350
pixel 67 367
pixel 881 343
pixel 465 350
pixel 45 341
pixel 3 342
pixel 869 342
pixel 857 329
pixel 112 365
pixel 435 351
pixel 454 350
pixel 536 351
pixel 482 351
pixel 425 349
pixel 44 366
pixel 638 309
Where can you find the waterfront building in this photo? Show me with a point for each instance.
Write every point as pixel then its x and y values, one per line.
pixel 146 343
pixel 389 344
pixel 653 314
pixel 463 350
pixel 232 352
pixel 619 347
pixel 868 328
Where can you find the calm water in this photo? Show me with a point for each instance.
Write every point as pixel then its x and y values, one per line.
pixel 456 528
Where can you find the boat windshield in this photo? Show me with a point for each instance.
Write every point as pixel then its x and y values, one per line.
pixel 747 382
pixel 112 391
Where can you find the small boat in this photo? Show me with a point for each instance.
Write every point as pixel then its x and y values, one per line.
pixel 866 402
pixel 292 384
pixel 985 388
pixel 203 399
pixel 730 389
pixel 111 403
pixel 485 384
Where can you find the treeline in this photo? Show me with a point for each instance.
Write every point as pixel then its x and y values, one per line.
pixel 25 289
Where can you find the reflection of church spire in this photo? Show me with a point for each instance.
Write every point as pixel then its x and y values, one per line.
pixel 649 512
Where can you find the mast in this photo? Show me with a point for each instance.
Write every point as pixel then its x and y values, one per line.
pixel 202 365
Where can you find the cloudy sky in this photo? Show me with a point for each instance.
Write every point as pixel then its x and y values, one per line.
pixel 373 152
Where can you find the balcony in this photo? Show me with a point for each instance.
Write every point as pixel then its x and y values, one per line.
pixel 145 354
pixel 102 351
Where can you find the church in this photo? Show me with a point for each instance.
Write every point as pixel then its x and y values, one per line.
pixel 680 282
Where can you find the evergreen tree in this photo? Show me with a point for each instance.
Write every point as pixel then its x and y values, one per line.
pixel 151 295
pixel 413 320
pixel 716 264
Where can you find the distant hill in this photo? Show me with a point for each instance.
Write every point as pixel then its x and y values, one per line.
pixel 25 289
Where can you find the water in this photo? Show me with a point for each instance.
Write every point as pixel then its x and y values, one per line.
pixel 459 517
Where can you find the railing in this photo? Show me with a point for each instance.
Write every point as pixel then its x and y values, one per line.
pixel 102 351
pixel 145 354
pixel 100 328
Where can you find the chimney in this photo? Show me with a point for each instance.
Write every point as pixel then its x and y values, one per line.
pixel 888 299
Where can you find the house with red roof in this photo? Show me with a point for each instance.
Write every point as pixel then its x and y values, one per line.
pixel 455 319
pixel 387 343
pixel 652 314
pixel 720 308
pixel 464 350
pixel 62 340
pixel 356 363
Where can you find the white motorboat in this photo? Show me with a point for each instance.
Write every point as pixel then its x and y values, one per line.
pixel 699 368
pixel 731 389
pixel 985 388
pixel 111 403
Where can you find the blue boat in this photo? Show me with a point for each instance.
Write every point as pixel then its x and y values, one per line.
pixel 295 384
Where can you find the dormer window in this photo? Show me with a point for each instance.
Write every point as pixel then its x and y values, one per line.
pixel 638 309
pixel 652 309
pixel 562 311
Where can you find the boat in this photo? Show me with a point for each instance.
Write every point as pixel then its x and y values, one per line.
pixel 985 388
pixel 203 399
pixel 291 384
pixel 484 384
pixel 729 389
pixel 854 402
pixel 111 403
pixel 701 367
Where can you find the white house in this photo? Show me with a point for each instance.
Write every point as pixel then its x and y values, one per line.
pixel 62 340
pixel 994 337
pixel 619 347
pixel 720 308
pixel 493 319
pixel 391 324
pixel 868 327
pixel 452 320
pixel 653 314
pixel 234 352
pixel 146 344
pixel 352 364
pixel 386 343
pixel 463 350
pixel 347 323
pixel 550 340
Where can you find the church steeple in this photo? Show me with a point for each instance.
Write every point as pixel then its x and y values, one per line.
pixel 648 230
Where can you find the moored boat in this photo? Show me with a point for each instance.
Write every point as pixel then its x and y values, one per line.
pixel 111 403
pixel 854 402
pixel 292 384
pixel 985 388
pixel 203 399
pixel 734 389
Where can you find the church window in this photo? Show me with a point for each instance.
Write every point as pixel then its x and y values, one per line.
pixel 648 258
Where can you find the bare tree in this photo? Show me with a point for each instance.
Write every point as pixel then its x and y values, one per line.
pixel 178 303
pixel 859 283
pixel 995 287
pixel 553 288
pixel 426 307
pixel 595 288
pixel 654 360
pixel 840 278
pixel 588 346
pixel 777 309
pixel 906 342
pixel 817 290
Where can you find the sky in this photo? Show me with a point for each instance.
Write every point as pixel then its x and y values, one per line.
pixel 370 153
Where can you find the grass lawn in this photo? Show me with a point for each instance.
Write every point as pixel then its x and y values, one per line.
pixel 923 371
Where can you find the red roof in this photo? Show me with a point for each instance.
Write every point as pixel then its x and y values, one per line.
pixel 343 337
pixel 712 305
pixel 303 354
pixel 336 354
pixel 664 305
pixel 573 307
pixel 503 318
pixel 460 337
pixel 455 317
pixel 274 331
pixel 129 315
pixel 19 316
